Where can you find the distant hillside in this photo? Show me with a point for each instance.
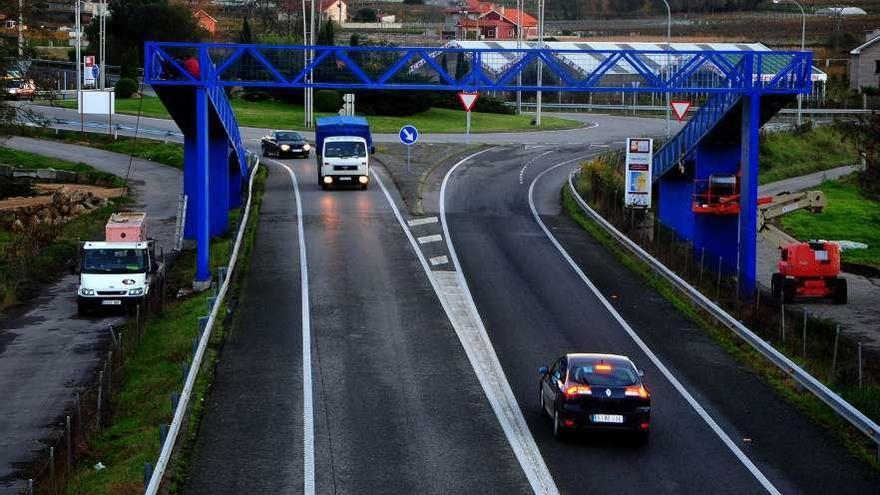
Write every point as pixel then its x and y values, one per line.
pixel 575 9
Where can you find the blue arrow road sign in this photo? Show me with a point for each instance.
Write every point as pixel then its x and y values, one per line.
pixel 409 135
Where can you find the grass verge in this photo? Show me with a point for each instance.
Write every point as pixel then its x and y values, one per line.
pixel 152 372
pixel 26 160
pixel 170 154
pixel 848 216
pixel 867 400
pixel 277 115
pixel 791 154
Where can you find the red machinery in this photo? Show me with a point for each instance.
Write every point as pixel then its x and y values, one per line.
pixel 809 269
pixel 717 195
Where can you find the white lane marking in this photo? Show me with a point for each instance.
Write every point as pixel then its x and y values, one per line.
pixel 458 305
pixel 472 333
pixel 308 404
pixel 522 171
pixel 644 347
pixel 430 238
pixel 439 260
pixel 422 221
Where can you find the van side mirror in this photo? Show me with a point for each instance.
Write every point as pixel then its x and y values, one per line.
pixel 73 267
pixel 372 150
pixel 543 370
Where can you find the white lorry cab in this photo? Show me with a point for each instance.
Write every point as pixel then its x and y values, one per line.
pixel 343 148
pixel 120 271
pixel 345 161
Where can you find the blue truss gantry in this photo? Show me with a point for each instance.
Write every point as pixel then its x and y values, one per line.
pixel 419 68
pixel 190 79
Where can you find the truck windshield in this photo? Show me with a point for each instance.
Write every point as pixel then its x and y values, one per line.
pixel 114 261
pixel 345 149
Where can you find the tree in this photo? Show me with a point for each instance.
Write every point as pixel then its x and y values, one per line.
pixel 865 134
pixel 327 34
pixel 245 36
pixel 132 22
pixel 366 15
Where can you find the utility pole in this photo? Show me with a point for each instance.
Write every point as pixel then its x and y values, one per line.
pixel 78 45
pixel 668 48
pixel 102 49
pixel 540 66
pixel 20 28
pixel 519 39
pixel 306 62
pixel 312 72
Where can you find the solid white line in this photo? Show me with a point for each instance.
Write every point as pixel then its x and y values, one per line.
pixel 308 404
pixel 439 260
pixel 497 391
pixel 503 402
pixel 644 347
pixel 422 221
pixel 430 238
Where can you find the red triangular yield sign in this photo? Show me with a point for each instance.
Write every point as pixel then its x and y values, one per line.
pixel 680 109
pixel 468 100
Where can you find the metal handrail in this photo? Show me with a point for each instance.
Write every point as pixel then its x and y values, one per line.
pixel 840 406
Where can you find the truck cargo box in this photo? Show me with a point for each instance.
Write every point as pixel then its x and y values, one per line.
pixel 341 126
pixel 126 227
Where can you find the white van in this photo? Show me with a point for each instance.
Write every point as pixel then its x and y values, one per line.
pixel 345 160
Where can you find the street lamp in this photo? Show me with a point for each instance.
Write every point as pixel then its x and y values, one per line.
pixel 540 66
pixel 519 39
pixel 668 48
pixel 800 96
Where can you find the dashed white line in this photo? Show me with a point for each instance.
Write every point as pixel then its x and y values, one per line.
pixel 439 260
pixel 522 171
pixel 422 221
pixel 427 239
pixel 713 425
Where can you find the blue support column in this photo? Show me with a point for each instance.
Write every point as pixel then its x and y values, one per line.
pixel 748 223
pixel 235 182
pixel 201 204
pixel 190 164
pixel 219 185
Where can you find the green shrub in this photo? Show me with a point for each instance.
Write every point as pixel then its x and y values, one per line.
pixel 125 87
pixel 327 100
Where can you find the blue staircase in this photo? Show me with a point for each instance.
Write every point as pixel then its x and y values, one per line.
pixel 701 124
pixel 223 109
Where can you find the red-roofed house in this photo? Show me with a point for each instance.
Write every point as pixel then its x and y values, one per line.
pixel 206 21
pixel 475 19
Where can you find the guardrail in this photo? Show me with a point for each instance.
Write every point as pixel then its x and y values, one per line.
pixel 693 109
pixel 186 395
pixel 841 407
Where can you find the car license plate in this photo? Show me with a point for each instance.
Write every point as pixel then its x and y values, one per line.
pixel 607 418
pixel 345 178
pixel 111 302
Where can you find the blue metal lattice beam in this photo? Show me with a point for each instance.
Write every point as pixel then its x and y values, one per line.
pixel 420 68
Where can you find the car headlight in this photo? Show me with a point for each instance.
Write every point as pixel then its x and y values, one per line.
pixel 87 292
pixel 136 292
pixel 307 147
pixel 285 147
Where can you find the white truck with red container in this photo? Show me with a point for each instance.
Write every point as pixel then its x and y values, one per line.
pixel 120 271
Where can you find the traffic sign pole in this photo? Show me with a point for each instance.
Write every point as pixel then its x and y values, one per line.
pixel 468 128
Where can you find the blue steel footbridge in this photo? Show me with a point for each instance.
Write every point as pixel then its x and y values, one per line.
pixel 744 85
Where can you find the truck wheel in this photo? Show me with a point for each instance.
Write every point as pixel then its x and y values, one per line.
pixel 840 291
pixel 776 285
pixel 82 309
pixel 364 187
pixel 265 152
pixel 789 289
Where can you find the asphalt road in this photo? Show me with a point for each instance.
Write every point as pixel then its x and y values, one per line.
pixel 397 406
pixel 535 307
pixel 46 351
pixel 599 130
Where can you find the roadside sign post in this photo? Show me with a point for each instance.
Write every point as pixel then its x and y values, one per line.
pixel 639 158
pixel 408 136
pixel 680 109
pixel 467 101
